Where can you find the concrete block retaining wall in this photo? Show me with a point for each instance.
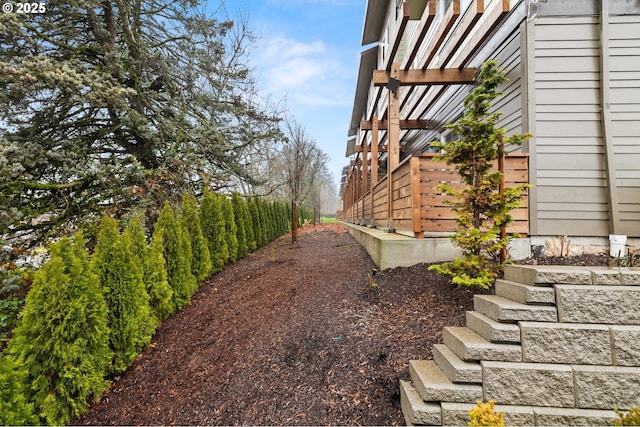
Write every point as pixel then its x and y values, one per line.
pixel 555 345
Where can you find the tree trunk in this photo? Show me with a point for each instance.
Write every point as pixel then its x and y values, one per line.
pixel 294 222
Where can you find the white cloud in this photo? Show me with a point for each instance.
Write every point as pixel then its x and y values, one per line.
pixel 308 74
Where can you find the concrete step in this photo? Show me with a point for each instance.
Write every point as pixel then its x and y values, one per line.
pixel 415 410
pixel 468 346
pixel 503 309
pixel 491 330
pixel 433 385
pixel 525 294
pixel 456 369
pixel 547 274
pixel 457 414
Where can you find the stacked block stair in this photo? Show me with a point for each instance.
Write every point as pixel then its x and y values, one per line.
pixel 555 345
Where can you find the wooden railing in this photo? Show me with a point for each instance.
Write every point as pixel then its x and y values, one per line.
pixel 417 206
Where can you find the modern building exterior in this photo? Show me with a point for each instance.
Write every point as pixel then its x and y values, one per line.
pixel 553 346
pixel 573 69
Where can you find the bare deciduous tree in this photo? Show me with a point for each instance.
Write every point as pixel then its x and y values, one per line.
pixel 302 162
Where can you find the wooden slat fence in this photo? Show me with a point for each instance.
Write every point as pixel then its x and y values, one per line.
pixel 417 207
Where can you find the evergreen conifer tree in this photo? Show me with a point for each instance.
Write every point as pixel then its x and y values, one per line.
pixel 14 408
pixel 213 229
pixel 200 257
pixel 482 209
pixel 258 235
pixel 177 255
pixel 62 338
pixel 153 264
pixel 121 281
pixel 231 228
pixel 249 226
pixel 241 226
pixel 156 278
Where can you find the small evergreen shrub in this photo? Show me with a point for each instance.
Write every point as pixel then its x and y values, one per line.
pixel 213 229
pixel 630 418
pixel 241 224
pixel 62 338
pixel 249 226
pixel 177 255
pixel 14 408
pixel 484 414
pixel 230 229
pixel 121 281
pixel 156 279
pixel 256 223
pixel 200 257
pixel 481 209
pixel 151 259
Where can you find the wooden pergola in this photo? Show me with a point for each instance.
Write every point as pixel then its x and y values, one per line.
pixel 402 204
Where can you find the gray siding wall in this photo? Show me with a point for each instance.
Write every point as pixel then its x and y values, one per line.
pixel 449 106
pixel 569 171
pixel 624 49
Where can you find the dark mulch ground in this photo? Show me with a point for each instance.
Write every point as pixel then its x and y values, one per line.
pixel 290 335
pixel 293 334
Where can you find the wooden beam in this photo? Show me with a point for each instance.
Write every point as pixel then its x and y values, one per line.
pixel 492 17
pixel 428 16
pixel 459 35
pixel 404 124
pixel 431 76
pixel 401 25
pixel 374 154
pixel 441 32
pixel 393 128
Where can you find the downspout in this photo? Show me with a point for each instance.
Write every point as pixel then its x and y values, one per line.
pixel 605 121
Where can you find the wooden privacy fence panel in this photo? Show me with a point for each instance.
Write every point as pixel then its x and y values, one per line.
pixel 435 215
pixel 402 197
pixel 380 204
pixel 416 206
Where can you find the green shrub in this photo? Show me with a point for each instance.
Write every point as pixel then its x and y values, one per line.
pixel 200 257
pixel 484 414
pixel 151 259
pixel 481 208
pixel 177 255
pixel 156 279
pixel 213 229
pixel 630 418
pixel 230 228
pixel 123 288
pixel 14 408
pixel 262 231
pixel 62 338
pixel 240 218
pixel 253 220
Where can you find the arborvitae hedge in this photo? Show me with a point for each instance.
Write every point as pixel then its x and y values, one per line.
pixel 62 339
pixel 61 352
pixel 248 223
pixel 156 278
pixel 200 257
pixel 177 255
pixel 213 229
pixel 121 281
pixel 239 216
pixel 231 229
pixel 154 267
pixel 254 224
pixel 14 407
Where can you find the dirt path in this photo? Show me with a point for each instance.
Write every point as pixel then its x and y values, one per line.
pixel 289 335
